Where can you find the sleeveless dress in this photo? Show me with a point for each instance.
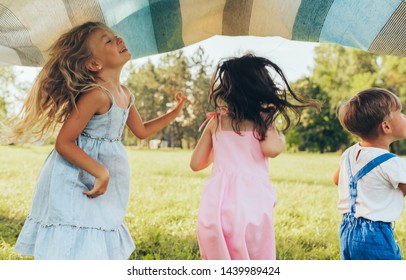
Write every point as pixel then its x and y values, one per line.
pixel 63 222
pixel 235 219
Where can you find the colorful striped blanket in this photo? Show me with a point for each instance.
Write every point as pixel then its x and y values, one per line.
pixel 28 27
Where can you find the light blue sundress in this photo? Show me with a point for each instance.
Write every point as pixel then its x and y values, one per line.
pixel 63 222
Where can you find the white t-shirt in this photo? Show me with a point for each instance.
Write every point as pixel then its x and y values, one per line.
pixel 378 195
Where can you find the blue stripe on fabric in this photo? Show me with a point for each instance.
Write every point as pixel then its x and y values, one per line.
pixel 131 20
pixel 310 19
pixel 357 23
pixel 167 21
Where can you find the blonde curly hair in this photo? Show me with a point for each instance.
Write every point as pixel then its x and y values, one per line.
pixel 55 91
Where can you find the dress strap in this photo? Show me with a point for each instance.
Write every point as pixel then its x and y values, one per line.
pixel 209 116
pixel 132 98
pixel 353 180
pixel 113 100
pixel 108 93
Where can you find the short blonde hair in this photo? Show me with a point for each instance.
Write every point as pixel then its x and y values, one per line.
pixel 363 113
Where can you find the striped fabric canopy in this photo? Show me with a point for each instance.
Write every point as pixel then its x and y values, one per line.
pixel 28 27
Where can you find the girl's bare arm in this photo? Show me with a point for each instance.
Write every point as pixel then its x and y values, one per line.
pixel 87 105
pixel 145 129
pixel 202 155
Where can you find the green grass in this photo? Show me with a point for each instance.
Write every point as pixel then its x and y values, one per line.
pixel 164 202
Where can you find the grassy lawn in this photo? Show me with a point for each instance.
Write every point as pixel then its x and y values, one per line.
pixel 164 203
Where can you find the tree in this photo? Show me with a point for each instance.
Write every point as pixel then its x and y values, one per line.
pixel 154 87
pixel 393 77
pixel 341 71
pixel 198 100
pixel 12 91
pixel 3 109
pixel 174 76
pixel 143 82
pixel 316 132
pixel 7 79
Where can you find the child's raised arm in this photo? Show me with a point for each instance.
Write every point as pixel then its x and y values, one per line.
pixel 274 142
pixel 202 155
pixel 145 129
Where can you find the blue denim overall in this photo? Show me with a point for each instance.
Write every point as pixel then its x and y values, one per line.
pixel 360 238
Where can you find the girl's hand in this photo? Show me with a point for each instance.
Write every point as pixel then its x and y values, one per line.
pixel 100 185
pixel 180 99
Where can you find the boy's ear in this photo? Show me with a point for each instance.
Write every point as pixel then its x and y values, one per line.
pixel 93 66
pixel 386 128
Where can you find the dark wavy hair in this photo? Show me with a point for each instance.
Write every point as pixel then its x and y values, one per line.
pixel 245 87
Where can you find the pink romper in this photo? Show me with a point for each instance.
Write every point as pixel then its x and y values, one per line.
pixel 235 220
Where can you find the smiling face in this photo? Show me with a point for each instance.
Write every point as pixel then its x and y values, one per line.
pixel 109 50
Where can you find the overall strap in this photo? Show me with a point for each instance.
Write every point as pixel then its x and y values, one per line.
pixel 361 173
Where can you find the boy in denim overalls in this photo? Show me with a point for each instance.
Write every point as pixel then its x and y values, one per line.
pixel 371 181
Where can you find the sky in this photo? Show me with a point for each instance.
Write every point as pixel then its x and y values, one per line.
pixel 294 57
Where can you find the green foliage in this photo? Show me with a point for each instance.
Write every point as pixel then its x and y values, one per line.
pixel 317 131
pixel 197 100
pixel 7 77
pixel 12 91
pixel 341 71
pixel 393 75
pixel 155 85
pixel 3 109
pixel 339 74
pixel 164 202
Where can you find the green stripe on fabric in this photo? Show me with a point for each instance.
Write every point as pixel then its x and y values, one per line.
pixel 167 23
pixel 310 19
pixel 237 17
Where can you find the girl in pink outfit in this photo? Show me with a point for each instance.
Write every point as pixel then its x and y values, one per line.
pixel 235 218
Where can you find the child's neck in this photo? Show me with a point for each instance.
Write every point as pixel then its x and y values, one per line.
pixel 375 143
pixel 111 78
pixel 112 85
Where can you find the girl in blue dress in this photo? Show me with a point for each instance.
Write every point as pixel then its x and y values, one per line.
pixel 82 191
